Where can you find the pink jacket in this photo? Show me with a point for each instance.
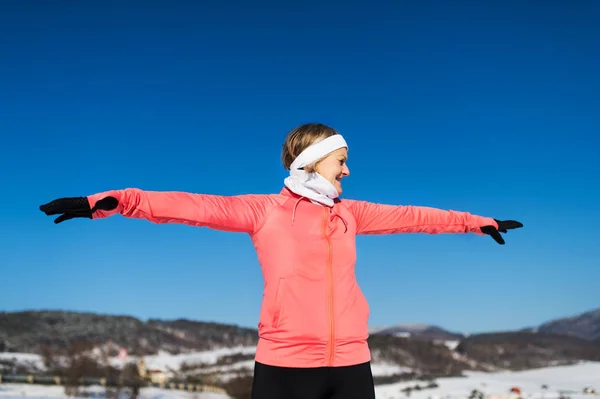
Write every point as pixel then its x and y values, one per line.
pixel 313 311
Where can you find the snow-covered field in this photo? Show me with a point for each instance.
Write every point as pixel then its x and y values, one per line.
pixel 166 361
pixel 13 391
pixel 30 360
pixel 569 380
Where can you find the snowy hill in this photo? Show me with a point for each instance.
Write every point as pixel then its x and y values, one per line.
pixel 418 331
pixel 585 325
pixel 14 391
pixel 30 331
pixel 526 350
pixel 543 383
pixel 36 331
pixel 224 353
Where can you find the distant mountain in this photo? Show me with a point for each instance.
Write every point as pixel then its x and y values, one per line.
pixel 35 331
pixel 203 335
pixel 525 350
pixel 585 325
pixel 418 331
pixel 421 348
pixel 530 330
pixel 423 358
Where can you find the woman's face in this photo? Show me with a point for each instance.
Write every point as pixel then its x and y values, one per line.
pixel 334 168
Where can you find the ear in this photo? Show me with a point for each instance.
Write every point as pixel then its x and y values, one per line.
pixel 312 168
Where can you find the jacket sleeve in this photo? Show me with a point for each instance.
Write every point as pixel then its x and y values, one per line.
pixel 373 218
pixel 241 213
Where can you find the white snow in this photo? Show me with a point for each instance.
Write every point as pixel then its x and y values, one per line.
pixel 494 385
pixel 166 361
pixel 451 344
pixel 31 391
pixel 383 369
pixel 13 391
pixel 156 393
pixel 26 359
pixel 572 378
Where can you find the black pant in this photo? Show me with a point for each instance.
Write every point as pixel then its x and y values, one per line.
pixel 349 382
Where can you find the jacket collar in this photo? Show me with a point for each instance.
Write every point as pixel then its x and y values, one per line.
pixel 289 193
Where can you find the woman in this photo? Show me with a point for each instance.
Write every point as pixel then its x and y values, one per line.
pixel 314 318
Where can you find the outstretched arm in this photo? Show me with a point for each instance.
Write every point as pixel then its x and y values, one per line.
pixel 242 213
pixel 373 218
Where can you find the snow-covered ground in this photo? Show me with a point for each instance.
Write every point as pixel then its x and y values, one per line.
pixel 26 359
pixel 166 361
pixel 13 391
pixel 558 379
pixel 382 369
pixel 572 378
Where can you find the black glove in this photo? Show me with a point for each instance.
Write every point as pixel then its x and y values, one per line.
pixel 503 226
pixel 76 207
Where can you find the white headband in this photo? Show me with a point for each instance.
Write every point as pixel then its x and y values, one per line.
pixel 318 150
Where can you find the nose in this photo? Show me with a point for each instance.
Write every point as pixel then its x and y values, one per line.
pixel 346 170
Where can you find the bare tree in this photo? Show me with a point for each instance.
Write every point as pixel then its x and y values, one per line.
pixel 48 358
pixel 132 379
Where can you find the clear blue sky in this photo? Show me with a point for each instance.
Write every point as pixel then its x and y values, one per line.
pixel 487 107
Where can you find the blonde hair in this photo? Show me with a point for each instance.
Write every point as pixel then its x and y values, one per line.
pixel 299 138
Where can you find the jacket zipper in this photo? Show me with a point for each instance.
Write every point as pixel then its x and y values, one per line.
pixel 330 288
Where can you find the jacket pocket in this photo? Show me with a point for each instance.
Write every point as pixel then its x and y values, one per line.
pixel 278 306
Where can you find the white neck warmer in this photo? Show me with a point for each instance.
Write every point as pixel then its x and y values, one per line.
pixel 313 185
